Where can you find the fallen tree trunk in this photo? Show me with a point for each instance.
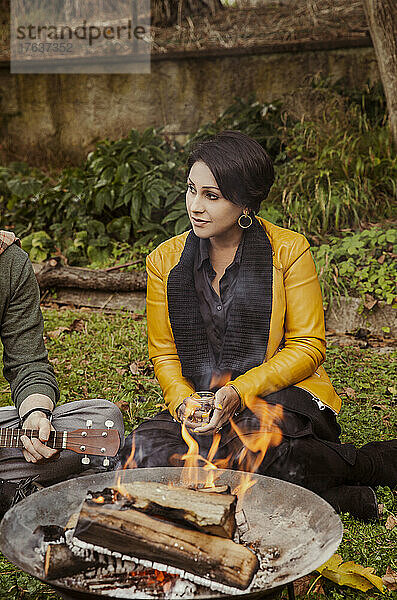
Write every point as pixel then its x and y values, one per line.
pixel 53 274
pixel 142 536
pixel 214 514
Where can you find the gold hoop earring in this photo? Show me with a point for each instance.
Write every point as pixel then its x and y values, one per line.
pixel 245 216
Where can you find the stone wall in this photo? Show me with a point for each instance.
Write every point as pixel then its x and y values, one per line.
pixel 59 117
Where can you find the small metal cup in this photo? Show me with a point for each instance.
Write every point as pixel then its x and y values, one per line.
pixel 203 413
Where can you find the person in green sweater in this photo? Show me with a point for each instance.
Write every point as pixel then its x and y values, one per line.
pixel 34 388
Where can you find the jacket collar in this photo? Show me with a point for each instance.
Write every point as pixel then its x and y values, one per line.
pixel 6 239
pixel 248 326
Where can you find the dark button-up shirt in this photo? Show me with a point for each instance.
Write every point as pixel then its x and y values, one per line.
pixel 214 309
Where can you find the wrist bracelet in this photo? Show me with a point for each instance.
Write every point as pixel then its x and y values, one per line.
pixel 46 411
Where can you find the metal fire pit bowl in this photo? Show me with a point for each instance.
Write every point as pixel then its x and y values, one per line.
pixel 302 526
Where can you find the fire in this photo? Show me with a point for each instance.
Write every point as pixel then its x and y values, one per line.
pixel 254 447
pixel 244 485
pixel 191 458
pixel 99 500
pixel 219 380
pixel 131 463
pixel 154 577
pixel 268 434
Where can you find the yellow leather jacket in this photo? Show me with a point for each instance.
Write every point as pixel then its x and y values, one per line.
pixel 297 316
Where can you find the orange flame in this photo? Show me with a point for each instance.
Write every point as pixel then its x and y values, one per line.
pixel 246 482
pixel 220 379
pixel 269 434
pixel 254 445
pixel 99 500
pixel 130 464
pixel 250 456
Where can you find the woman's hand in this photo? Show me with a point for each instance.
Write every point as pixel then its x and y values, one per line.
pixel 186 410
pixel 34 450
pixel 227 402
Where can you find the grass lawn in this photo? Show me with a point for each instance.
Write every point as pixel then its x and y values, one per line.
pixel 106 357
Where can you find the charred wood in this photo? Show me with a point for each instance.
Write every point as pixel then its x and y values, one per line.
pixel 215 514
pixel 61 562
pixel 154 539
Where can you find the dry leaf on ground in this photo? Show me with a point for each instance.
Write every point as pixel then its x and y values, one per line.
pixel 302 585
pixel 390 579
pixel 123 405
pixel 56 333
pixel 370 303
pixel 78 325
pixel 391 522
pixel 134 368
pixel 120 371
pixel 350 574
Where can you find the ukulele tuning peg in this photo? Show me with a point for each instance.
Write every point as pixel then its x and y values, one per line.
pixel 109 424
pixel 85 460
pixel 88 423
pixel 106 462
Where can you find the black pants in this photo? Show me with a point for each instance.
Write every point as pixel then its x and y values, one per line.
pixel 310 453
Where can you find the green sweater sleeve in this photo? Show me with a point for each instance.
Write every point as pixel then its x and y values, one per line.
pixel 25 357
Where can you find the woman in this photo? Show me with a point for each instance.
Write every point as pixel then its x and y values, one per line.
pixel 234 306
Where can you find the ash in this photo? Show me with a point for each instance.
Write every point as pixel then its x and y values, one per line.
pixel 124 576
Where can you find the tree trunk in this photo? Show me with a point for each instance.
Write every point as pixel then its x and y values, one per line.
pixel 172 12
pixel 382 22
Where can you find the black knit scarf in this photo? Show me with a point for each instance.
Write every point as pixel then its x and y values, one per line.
pixel 248 326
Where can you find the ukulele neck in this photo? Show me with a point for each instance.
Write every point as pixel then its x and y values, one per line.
pixel 11 438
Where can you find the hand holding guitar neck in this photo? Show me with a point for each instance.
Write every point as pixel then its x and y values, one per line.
pixel 35 448
pixel 87 441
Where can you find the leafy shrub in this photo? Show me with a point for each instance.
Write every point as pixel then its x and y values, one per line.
pixel 122 193
pixel 129 190
pixel 333 172
pixel 338 171
pixel 359 264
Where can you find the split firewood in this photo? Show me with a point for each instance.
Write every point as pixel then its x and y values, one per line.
pixel 215 514
pixel 218 489
pixel 60 562
pixel 146 537
pixel 72 521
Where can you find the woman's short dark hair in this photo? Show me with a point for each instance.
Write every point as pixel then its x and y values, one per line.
pixel 242 169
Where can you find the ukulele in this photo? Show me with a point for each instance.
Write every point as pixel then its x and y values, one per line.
pixel 97 442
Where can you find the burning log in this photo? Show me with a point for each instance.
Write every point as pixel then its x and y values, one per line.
pixel 152 538
pixel 217 489
pixel 214 514
pixel 59 562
